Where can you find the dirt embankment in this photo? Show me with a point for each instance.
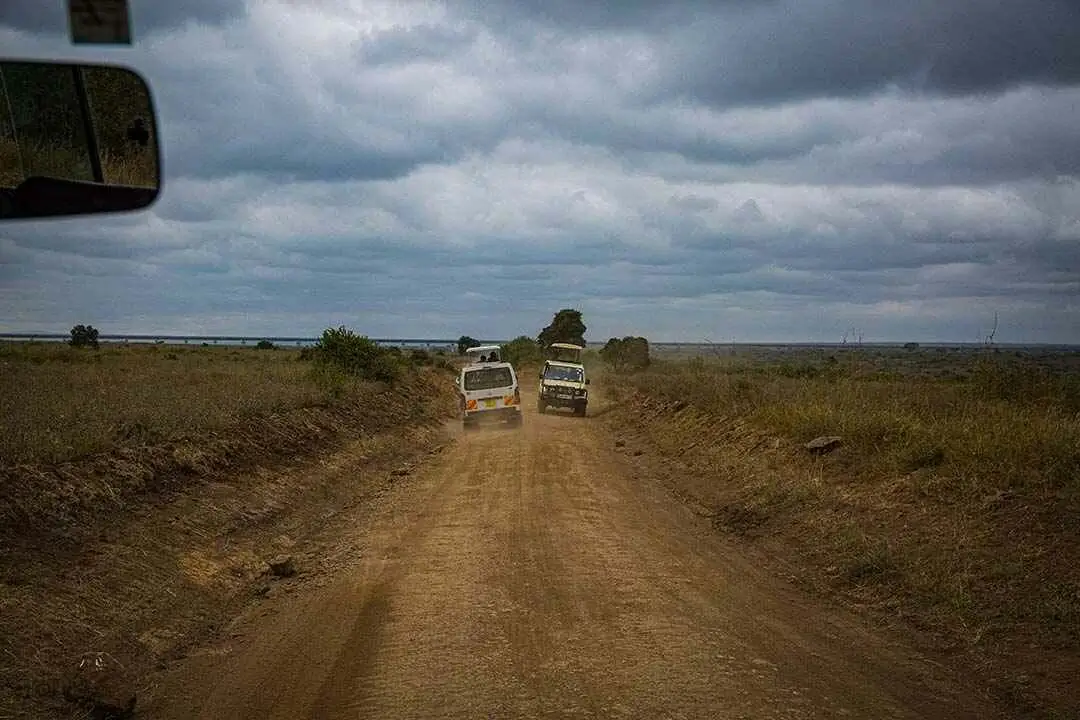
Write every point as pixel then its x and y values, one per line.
pixel 918 565
pixel 43 505
pixel 139 552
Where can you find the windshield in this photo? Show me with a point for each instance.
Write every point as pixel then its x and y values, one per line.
pixel 556 372
pixel 488 378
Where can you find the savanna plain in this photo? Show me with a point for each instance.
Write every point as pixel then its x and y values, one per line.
pixel 164 508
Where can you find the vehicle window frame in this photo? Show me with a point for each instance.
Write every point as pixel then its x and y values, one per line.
pixel 501 371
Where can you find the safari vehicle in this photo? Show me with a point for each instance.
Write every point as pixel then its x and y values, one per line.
pixel 75 140
pixel 489 393
pixel 563 385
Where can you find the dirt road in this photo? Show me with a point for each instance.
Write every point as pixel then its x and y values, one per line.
pixel 527 573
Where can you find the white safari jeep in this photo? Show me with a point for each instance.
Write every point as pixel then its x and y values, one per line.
pixel 489 392
pixel 562 385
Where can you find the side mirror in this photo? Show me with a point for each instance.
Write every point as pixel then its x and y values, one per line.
pixel 75 140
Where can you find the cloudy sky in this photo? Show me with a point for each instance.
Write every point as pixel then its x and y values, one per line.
pixel 737 170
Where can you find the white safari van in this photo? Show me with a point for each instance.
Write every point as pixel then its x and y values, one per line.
pixel 489 391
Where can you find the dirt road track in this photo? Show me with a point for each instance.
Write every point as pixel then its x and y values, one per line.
pixel 524 573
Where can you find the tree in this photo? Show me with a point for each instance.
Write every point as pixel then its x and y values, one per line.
pixel 465 342
pixel 84 336
pixel 635 352
pixel 565 327
pixel 629 353
pixel 610 353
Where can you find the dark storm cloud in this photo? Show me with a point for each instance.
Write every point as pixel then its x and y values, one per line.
pixel 1025 133
pixel 370 108
pixel 147 16
pixel 247 126
pixel 802 250
pixel 621 15
pixel 813 48
pixel 634 131
pixel 769 52
pixel 320 158
pixel 115 236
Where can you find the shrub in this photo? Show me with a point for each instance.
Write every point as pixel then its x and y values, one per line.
pixel 331 380
pixel 522 349
pixel 84 336
pixel 355 355
pixel 265 345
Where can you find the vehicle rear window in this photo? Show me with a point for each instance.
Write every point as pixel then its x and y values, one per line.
pixel 488 378
pixel 555 372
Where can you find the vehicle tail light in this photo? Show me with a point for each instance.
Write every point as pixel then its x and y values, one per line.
pixel 471 405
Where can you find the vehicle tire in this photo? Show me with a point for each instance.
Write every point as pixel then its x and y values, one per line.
pixel 541 407
pixel 580 410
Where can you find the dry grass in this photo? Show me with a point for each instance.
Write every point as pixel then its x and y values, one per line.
pixel 137 168
pixel 991 425
pixel 211 458
pixel 93 433
pixel 59 403
pixel 953 502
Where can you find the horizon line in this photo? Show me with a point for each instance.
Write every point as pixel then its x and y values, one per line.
pixel 448 341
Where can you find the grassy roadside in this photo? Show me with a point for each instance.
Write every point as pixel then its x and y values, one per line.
pixel 90 431
pixel 138 169
pixel 951 504
pixel 60 403
pixel 152 483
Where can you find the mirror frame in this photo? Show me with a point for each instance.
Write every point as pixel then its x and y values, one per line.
pixel 65 198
